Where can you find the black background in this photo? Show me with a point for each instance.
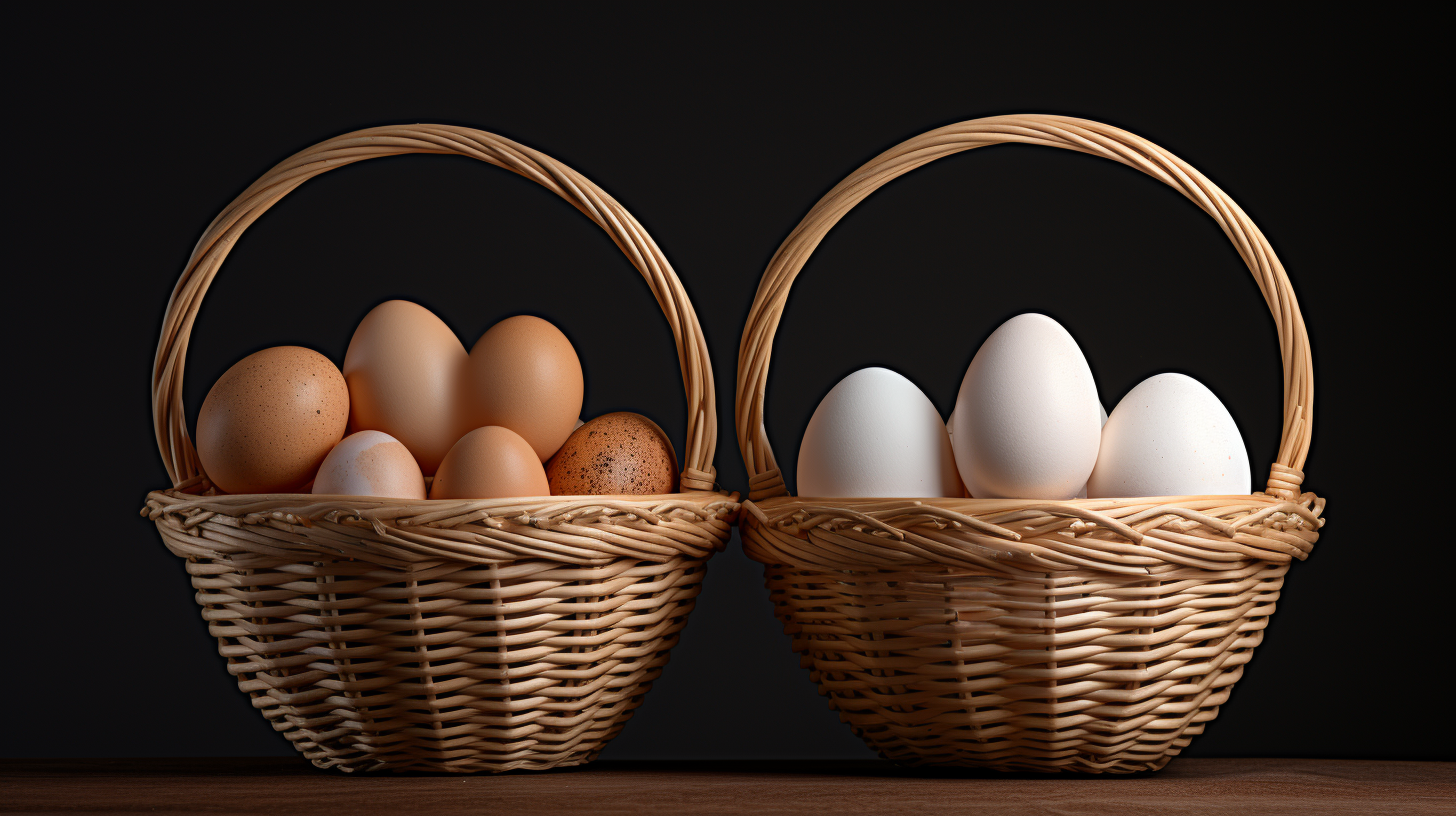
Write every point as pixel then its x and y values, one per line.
pixel 128 137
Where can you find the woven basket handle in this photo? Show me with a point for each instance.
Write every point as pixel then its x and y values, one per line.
pixel 1080 135
pixel 213 247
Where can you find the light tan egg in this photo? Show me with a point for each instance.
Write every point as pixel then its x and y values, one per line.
pixel 270 420
pixel 615 454
pixel 523 374
pixel 370 463
pixel 490 463
pixel 403 368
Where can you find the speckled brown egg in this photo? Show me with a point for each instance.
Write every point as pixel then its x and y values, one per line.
pixel 270 420
pixel 614 454
pixel 523 374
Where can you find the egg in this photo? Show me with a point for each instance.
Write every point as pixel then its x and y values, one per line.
pixel 875 434
pixel 370 463
pixel 523 374
pixel 950 430
pixel 403 368
pixel 1026 418
pixel 269 421
pixel 490 463
pixel 1170 436
pixel 615 454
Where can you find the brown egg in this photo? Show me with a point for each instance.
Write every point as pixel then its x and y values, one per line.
pixel 490 463
pixel 403 368
pixel 523 374
pixel 268 423
pixel 622 453
pixel 370 463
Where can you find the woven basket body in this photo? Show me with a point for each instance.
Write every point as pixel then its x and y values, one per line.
pixel 381 634
pixel 1094 635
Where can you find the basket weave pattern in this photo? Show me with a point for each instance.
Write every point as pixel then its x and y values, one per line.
pixel 1094 635
pixel 442 635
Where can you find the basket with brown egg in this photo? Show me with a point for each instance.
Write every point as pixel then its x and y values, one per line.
pixel 425 560
pixel 1034 585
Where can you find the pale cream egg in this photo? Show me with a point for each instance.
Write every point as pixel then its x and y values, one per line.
pixel 370 463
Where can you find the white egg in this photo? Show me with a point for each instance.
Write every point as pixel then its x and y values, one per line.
pixel 1025 421
pixel 370 463
pixel 1102 418
pixel 876 435
pixel 1170 436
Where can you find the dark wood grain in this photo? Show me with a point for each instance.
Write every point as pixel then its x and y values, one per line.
pixel 277 786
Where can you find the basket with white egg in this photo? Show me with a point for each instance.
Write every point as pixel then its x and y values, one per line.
pixel 449 634
pixel 1051 633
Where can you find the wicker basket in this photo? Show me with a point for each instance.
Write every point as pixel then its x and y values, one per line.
pixel 1088 635
pixel 442 635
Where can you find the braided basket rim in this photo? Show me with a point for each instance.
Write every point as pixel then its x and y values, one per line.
pixel 1134 536
pixel 580 530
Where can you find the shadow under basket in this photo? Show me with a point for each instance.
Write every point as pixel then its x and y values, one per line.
pixel 1091 635
pixel 454 635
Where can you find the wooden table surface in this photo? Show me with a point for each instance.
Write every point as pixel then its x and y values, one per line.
pixel 278 786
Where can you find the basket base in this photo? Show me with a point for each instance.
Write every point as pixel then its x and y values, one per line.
pixel 1067 671
pixel 490 694
pixel 368 656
